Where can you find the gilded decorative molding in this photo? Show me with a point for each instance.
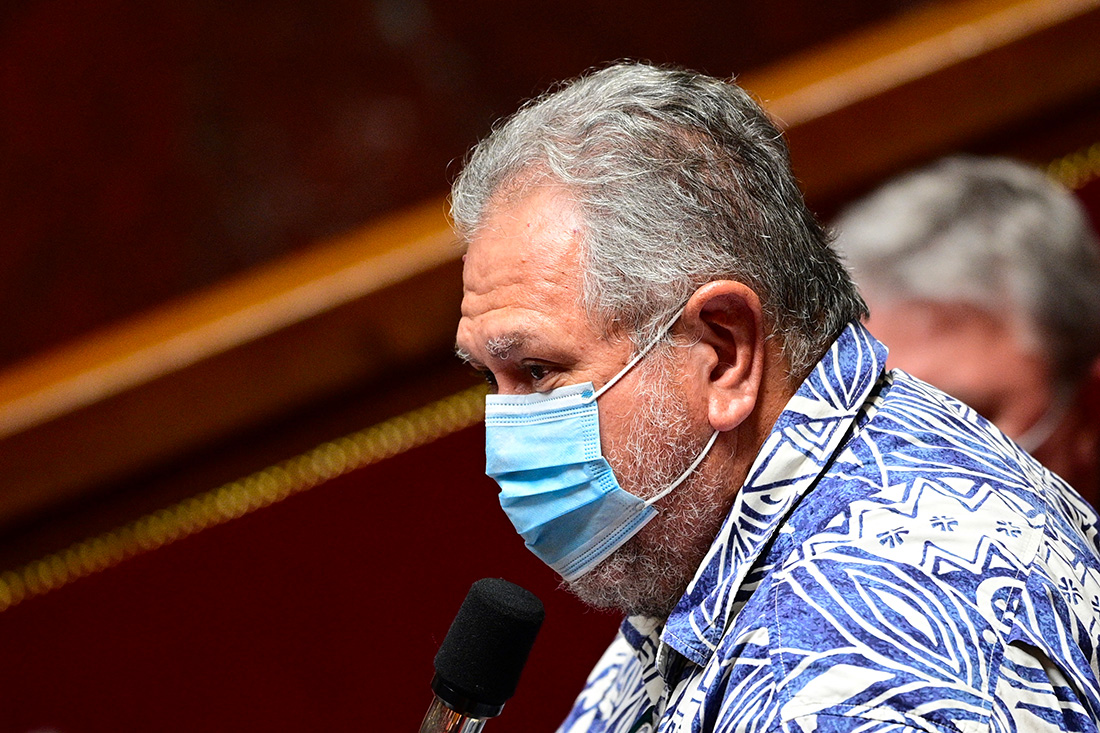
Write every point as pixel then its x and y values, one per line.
pixel 323 463
pixel 1077 169
pixel 244 496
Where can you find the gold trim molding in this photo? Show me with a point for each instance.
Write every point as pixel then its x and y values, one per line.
pixel 324 463
pixel 244 496
pixel 1078 169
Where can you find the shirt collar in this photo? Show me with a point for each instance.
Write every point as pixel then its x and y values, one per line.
pixel 799 447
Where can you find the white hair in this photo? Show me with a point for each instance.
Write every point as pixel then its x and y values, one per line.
pixel 991 232
pixel 679 179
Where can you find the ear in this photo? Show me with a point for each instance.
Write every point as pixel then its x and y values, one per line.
pixel 728 359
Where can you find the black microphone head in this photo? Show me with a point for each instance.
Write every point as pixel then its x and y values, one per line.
pixel 480 660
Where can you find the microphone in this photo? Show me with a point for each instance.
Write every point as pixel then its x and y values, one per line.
pixel 480 660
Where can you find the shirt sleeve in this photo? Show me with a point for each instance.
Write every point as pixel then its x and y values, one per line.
pixel 604 683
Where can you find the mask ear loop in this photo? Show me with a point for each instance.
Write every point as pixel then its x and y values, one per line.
pixel 685 474
pixel 611 383
pixel 649 347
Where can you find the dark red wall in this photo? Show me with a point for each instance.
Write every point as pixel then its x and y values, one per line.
pixel 322 612
pixel 150 149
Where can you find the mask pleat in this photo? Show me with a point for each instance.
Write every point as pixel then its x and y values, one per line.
pixel 509 450
pixel 556 540
pixel 544 451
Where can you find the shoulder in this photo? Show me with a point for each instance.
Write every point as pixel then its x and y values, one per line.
pixel 930 546
pixel 614 693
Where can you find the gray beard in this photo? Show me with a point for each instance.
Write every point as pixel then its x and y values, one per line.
pixel 649 573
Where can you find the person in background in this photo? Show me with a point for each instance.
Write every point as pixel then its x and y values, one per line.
pixel 689 423
pixel 983 277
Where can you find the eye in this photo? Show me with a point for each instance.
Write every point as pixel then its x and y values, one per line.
pixel 488 377
pixel 537 372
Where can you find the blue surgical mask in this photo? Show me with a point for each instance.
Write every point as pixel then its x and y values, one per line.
pixel 556 486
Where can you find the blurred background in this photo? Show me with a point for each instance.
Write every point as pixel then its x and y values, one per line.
pixel 153 150
pixel 224 249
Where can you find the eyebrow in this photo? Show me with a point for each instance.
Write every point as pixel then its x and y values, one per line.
pixel 498 347
pixel 462 354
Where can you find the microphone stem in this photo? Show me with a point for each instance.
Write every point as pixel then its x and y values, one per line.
pixel 441 719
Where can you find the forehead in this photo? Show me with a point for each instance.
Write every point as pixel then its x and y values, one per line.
pixel 532 242
pixel 521 275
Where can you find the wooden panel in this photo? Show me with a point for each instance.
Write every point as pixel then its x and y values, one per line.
pixel 123 399
pixel 351 311
pixel 927 83
pixel 290 610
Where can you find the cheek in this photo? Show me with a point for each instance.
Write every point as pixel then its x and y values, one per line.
pixel 649 413
pixel 615 426
pixel 1016 386
pixel 975 358
pixel 1020 410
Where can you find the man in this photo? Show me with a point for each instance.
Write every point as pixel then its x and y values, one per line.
pixel 984 278
pixel 691 426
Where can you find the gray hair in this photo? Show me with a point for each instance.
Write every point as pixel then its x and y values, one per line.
pixel 679 179
pixel 991 232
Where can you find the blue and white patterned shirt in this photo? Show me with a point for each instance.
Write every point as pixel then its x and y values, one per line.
pixel 893 562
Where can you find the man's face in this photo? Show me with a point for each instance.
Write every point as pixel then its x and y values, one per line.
pixel 984 359
pixel 524 326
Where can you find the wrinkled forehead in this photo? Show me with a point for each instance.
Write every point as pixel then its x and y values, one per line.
pixel 533 241
pixel 522 273
pixel 476 212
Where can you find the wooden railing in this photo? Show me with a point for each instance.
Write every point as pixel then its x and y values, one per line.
pixel 352 310
pixel 193 371
pixel 927 83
